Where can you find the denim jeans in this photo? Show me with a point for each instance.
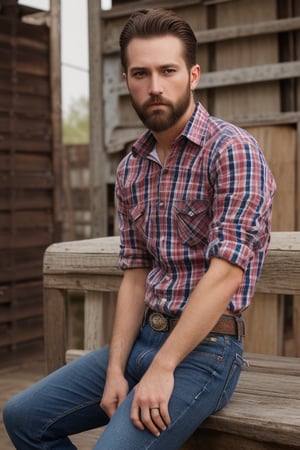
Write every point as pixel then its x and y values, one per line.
pixel 66 402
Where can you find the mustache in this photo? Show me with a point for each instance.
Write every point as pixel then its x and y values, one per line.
pixel 155 100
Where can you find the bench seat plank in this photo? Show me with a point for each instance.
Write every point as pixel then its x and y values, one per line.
pixel 261 409
pixel 270 384
pixel 259 417
pixel 287 365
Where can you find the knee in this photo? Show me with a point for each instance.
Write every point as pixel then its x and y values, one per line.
pixel 15 414
pixel 9 414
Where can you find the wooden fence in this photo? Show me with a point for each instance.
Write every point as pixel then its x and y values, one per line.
pixel 29 175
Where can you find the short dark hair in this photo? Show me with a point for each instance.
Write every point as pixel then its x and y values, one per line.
pixel 158 22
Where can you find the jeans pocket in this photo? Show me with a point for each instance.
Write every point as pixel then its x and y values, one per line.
pixel 230 382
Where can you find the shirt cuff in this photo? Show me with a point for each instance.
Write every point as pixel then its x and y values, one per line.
pixel 233 252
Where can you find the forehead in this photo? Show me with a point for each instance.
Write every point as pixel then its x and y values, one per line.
pixel 159 50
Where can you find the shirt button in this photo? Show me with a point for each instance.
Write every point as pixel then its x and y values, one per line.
pixel 161 204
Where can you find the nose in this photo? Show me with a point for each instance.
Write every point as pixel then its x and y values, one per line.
pixel 155 87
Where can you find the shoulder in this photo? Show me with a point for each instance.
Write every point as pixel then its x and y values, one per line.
pixel 228 133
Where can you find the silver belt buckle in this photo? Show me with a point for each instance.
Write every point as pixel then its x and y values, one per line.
pixel 158 322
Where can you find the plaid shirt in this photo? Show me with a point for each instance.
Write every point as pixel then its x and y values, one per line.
pixel 212 198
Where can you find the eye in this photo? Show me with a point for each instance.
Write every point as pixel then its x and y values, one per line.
pixel 169 70
pixel 139 74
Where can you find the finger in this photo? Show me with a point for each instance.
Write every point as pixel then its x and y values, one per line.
pixel 157 419
pixel 109 408
pixel 135 416
pixel 164 414
pixel 149 423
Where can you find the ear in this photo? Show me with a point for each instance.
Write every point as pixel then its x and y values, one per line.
pixel 124 76
pixel 195 76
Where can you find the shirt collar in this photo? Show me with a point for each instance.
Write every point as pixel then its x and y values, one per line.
pixel 194 131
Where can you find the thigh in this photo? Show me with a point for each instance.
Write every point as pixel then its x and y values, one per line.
pixel 204 382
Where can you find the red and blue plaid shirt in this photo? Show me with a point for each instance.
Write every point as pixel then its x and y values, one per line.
pixel 212 198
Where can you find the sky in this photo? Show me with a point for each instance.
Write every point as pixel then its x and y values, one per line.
pixel 74 47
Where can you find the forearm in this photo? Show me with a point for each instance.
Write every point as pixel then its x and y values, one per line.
pixel 206 304
pixel 128 317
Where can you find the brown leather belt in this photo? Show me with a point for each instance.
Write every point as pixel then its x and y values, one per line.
pixel 232 325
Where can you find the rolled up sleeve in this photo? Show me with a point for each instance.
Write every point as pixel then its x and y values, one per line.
pixel 244 188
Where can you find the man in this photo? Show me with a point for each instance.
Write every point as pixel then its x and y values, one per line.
pixel 194 202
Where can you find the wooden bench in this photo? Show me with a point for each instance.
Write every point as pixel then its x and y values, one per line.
pixel 265 410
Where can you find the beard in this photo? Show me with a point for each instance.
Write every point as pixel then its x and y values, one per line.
pixel 158 120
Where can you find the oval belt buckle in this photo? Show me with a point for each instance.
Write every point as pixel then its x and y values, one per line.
pixel 158 322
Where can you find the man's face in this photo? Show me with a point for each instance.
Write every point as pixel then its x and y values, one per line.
pixel 159 81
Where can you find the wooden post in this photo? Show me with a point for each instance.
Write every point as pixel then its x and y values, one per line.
pixel 55 75
pixel 94 337
pixel 98 163
pixel 55 328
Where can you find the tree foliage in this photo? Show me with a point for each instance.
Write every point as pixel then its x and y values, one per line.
pixel 76 122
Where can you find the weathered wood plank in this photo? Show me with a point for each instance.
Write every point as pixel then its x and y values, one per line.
pixel 265 384
pixel 280 273
pixel 283 164
pixel 229 33
pixel 272 364
pixel 84 282
pixel 94 312
pixel 296 324
pixel 124 136
pixel 25 219
pixel 55 328
pixel 212 440
pixel 266 418
pixel 243 75
pixel 98 159
pixel 266 315
pixel 247 30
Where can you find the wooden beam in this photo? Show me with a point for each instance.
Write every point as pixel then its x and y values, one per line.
pixel 248 30
pixel 98 164
pixel 128 8
pixel 280 274
pixel 55 328
pixel 55 78
pixel 123 136
pixel 245 75
pixel 242 75
pixel 225 33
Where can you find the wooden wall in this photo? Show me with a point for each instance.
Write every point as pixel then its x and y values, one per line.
pixel 248 52
pixel 27 210
pixel 76 194
pixel 249 56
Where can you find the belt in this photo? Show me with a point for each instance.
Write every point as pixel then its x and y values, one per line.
pixel 232 325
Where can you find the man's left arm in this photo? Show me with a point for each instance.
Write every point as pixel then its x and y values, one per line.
pixel 206 304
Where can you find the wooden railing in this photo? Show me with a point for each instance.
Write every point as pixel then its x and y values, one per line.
pixel 264 411
pixel 91 266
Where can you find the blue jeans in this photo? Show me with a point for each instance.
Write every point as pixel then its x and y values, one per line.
pixel 66 402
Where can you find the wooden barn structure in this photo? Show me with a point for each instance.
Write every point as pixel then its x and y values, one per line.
pixel 249 55
pixel 30 146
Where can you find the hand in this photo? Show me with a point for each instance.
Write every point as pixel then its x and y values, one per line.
pixel 151 398
pixel 115 391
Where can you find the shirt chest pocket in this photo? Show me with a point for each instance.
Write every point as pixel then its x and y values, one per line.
pixel 193 219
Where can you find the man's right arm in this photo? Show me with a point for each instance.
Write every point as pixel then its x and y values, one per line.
pixel 128 318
